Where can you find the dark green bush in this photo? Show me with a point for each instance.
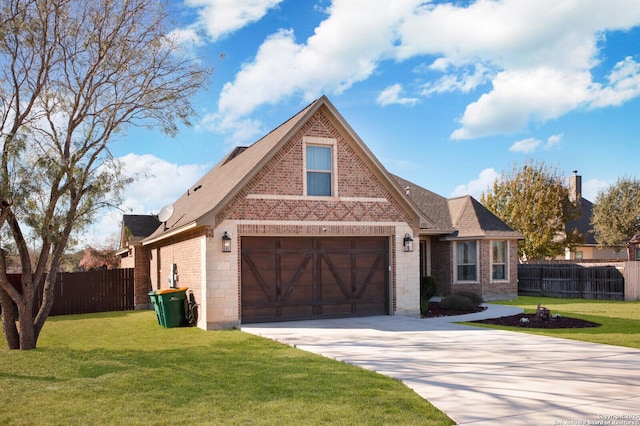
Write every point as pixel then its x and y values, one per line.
pixel 458 302
pixel 474 297
pixel 428 289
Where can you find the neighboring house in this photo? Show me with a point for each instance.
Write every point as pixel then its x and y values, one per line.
pixel 589 249
pixel 306 223
pixel 135 228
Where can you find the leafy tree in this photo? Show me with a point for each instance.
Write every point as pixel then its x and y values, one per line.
pixel 534 201
pixel 74 75
pixel 616 213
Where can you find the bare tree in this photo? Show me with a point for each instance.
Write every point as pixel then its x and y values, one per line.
pixel 74 75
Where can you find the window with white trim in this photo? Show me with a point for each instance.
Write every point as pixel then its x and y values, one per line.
pixel 319 161
pixel 499 260
pixel 467 260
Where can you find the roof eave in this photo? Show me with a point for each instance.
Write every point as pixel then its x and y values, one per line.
pixel 172 233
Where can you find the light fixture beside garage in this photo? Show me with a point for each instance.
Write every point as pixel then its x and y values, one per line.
pixel 408 243
pixel 226 243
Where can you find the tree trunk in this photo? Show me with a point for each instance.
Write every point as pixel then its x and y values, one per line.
pixel 27 330
pixel 47 302
pixel 9 321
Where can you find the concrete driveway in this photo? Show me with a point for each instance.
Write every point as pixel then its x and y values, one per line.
pixel 479 376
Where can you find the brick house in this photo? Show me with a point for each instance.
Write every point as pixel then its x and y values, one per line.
pixel 135 228
pixel 306 223
pixel 589 249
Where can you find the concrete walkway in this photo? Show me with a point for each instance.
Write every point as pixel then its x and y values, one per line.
pixel 480 376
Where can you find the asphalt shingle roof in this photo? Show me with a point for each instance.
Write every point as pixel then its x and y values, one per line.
pixel 465 216
pixel 140 226
pixel 460 217
pixel 583 223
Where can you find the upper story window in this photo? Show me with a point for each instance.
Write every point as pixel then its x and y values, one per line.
pixel 467 261
pixel 499 260
pixel 319 161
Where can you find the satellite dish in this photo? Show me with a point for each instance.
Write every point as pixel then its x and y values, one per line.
pixel 166 213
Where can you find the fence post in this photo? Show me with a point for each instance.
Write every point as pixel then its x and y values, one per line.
pixel 631 280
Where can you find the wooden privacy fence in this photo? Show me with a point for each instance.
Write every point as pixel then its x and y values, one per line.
pixel 102 290
pixel 571 281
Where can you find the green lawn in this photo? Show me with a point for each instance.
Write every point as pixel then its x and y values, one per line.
pixel 123 368
pixel 620 320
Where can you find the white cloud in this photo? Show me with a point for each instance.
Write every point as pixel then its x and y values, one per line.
pixel 553 141
pixel 463 82
pixel 241 129
pixel 222 17
pixel 521 96
pixel 544 51
pixel 538 56
pixel 344 49
pixel 529 145
pixel 158 183
pixel 592 187
pixel 391 95
pixel 526 145
pixel 624 84
pixel 476 187
pixel 186 36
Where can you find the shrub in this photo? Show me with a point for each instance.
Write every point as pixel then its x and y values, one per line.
pixel 474 297
pixel 458 302
pixel 428 289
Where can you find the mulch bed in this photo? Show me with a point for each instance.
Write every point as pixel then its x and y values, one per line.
pixel 435 310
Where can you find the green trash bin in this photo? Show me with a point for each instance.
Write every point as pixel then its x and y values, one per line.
pixel 171 303
pixel 153 296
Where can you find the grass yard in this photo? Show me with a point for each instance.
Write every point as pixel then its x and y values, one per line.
pixel 620 320
pixel 123 368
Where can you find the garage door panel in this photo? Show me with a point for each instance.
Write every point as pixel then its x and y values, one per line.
pixel 304 278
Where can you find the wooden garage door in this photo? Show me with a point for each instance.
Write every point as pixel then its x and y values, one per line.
pixel 310 278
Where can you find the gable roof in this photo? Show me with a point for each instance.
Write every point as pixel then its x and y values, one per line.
pixel 461 217
pixel 215 189
pixel 139 226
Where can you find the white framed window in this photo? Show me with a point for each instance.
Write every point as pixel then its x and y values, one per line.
pixel 499 260
pixel 466 261
pixel 319 163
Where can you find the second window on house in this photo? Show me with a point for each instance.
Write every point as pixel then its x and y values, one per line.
pixel 467 260
pixel 319 159
pixel 498 260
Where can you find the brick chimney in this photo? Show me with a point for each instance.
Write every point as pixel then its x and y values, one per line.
pixel 575 187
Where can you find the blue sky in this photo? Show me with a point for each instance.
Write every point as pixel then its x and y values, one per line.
pixel 445 94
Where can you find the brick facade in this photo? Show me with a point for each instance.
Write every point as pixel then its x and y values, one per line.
pixel 277 192
pixel 141 278
pixel 443 265
pixel 274 202
pixel 266 196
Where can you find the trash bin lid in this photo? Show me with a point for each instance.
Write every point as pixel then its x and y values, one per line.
pixel 171 290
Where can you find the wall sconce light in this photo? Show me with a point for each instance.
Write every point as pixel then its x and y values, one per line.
pixel 408 243
pixel 226 243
